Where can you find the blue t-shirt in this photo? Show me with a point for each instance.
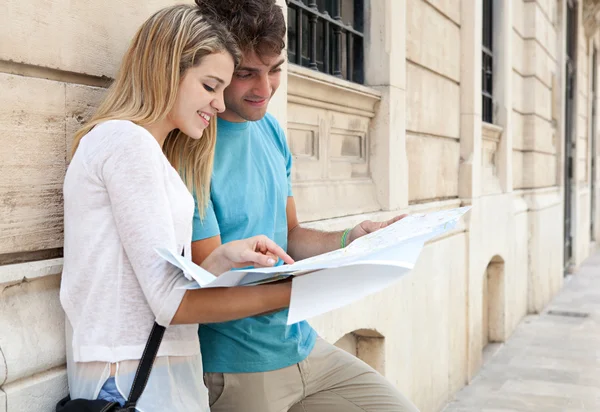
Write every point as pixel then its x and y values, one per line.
pixel 249 190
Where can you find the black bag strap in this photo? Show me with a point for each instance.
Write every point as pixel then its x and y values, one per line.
pixel 145 367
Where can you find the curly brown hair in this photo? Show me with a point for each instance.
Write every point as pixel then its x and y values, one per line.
pixel 257 25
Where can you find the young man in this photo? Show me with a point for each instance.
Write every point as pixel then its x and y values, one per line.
pixel 260 364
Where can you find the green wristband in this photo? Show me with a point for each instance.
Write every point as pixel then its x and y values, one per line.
pixel 344 238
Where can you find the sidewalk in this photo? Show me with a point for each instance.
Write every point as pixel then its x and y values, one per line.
pixel 551 363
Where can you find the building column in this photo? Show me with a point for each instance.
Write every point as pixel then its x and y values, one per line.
pixel 385 71
pixel 278 103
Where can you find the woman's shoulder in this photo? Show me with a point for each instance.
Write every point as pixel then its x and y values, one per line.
pixel 112 131
pixel 119 137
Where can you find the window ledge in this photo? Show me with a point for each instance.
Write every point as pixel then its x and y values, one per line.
pixel 27 271
pixel 491 131
pixel 312 88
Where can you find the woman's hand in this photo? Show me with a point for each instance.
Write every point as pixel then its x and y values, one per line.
pixel 258 251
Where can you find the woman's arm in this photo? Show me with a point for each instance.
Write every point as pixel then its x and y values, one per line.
pixel 224 304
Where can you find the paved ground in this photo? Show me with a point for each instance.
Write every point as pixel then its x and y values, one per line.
pixel 552 361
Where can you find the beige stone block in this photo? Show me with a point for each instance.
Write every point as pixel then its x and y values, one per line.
pixel 457 339
pixel 582 175
pixel 432 40
pixel 537 62
pixel 582 233
pixel 539 135
pixel 518 99
pixel 549 8
pixel 537 98
pixel 517 169
pixel 32 166
pixel 426 112
pixel 518 130
pixel 439 294
pixel 583 56
pixel 425 181
pixel 518 46
pixel 518 17
pixel 582 103
pixel 278 103
pixel 537 26
pixel 582 148
pixel 450 8
pixel 469 168
pixel 385 30
pixel 81 104
pixel 37 393
pixel 80 37
pixel 387 151
pixel 597 213
pixel 328 199
pixel 582 127
pixel 35 343
pixel 539 169
pixel 583 79
pixel 545 248
pixel 470 58
pixel 516 286
pixel 347 146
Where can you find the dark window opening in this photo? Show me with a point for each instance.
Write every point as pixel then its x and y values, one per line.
pixel 327 36
pixel 487 66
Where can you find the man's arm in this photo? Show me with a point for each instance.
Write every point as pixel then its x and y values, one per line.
pixel 202 248
pixel 304 243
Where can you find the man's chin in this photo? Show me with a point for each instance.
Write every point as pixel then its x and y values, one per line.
pixel 255 115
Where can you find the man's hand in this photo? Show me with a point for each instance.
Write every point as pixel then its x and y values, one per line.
pixel 368 226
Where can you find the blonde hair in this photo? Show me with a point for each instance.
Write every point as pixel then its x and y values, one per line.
pixel 173 40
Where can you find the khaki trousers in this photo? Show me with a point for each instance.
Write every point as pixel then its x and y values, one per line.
pixel 328 380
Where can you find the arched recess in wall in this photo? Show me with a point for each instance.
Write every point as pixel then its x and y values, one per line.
pixel 493 306
pixel 366 344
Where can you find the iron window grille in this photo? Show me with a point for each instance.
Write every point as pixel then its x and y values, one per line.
pixel 487 66
pixel 319 39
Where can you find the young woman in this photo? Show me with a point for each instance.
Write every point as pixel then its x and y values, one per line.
pixel 124 197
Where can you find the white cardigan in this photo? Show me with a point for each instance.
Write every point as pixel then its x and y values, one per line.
pixel 123 199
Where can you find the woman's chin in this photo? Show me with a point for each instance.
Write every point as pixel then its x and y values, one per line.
pixel 196 133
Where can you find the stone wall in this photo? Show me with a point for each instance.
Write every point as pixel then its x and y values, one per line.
pixel 409 140
pixel 56 58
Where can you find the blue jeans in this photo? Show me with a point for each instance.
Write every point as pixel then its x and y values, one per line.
pixel 110 393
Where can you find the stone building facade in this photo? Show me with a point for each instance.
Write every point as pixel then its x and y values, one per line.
pixel 441 112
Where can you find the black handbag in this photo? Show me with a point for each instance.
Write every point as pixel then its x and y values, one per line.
pixel 139 382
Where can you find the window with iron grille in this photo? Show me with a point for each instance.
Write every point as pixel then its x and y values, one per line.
pixel 487 75
pixel 327 36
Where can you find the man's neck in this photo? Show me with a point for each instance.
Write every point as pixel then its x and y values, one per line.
pixel 231 117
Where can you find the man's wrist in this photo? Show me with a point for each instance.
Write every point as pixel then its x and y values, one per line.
pixel 345 241
pixel 213 262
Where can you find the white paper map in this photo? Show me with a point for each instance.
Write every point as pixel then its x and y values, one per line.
pixel 332 280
